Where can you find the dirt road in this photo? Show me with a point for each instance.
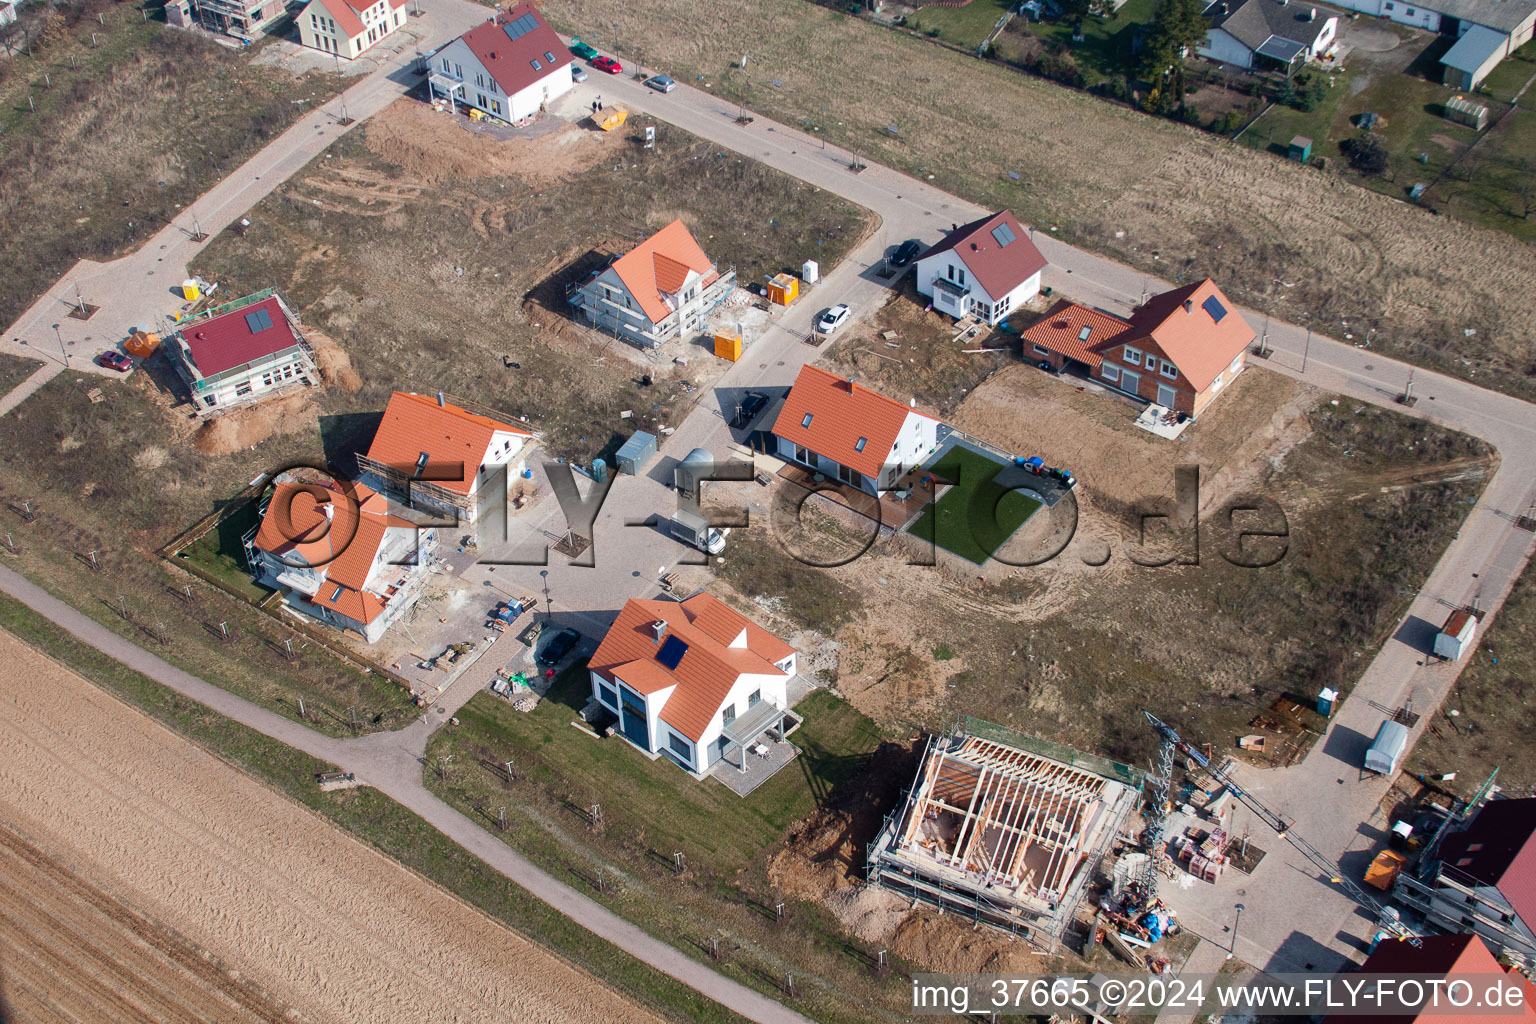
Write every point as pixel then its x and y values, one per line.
pixel 143 879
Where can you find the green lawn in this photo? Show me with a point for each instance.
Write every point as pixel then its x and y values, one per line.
pixel 219 552
pixel 1506 79
pixel 1105 49
pixel 964 26
pixel 977 515
pixel 709 823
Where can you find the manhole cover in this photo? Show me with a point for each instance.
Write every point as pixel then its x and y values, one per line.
pixel 441 711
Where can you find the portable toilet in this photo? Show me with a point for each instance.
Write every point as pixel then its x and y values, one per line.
pixel 1300 149
pixel 689 475
pixel 1386 750
pixel 728 345
pixel 599 471
pixel 190 289
pixel 1455 637
pixel 810 271
pixel 635 453
pixel 783 289
pixel 1325 701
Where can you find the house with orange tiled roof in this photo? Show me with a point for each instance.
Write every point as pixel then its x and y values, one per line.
pixel 845 431
pixel 1178 350
pixel 348 27
pixel 443 459
pixel 694 680
pixel 338 554
pixel 661 289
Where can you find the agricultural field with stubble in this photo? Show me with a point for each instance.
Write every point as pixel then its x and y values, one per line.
pixel 110 123
pixel 1306 246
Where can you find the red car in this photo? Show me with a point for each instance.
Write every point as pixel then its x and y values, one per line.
pixel 114 361
pixel 608 64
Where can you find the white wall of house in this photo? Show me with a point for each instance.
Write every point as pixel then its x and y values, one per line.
pixel 918 437
pixel 320 31
pixel 977 302
pixel 1405 13
pixel 1221 45
pixel 1325 37
pixel 293 365
pixel 770 688
pixel 481 90
pixel 1457 908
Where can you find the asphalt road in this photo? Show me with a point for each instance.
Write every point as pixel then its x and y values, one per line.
pixel 1294 916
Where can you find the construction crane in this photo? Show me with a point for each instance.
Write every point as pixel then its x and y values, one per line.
pixel 1171 742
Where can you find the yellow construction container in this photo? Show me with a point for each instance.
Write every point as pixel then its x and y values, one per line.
pixel 142 343
pixel 728 346
pixel 609 118
pixel 190 290
pixel 1385 869
pixel 783 289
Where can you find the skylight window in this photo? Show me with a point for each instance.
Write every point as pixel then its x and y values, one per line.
pixel 1214 307
pixel 859 446
pixel 1003 234
pixel 536 65
pixel 807 421
pixel 421 463
pixel 258 321
pixel 1082 335
pixel 337 595
pixel 549 56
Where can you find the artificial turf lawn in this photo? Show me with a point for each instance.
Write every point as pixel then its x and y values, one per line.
pixel 976 515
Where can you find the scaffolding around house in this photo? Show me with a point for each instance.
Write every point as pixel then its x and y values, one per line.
pixel 1002 828
pixel 244 19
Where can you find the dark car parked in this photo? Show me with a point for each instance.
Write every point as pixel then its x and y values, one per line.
pixel 906 252
pixel 751 404
pixel 558 647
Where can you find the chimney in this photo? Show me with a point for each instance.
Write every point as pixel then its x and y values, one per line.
pixel 1313 15
pixel 1189 305
pixel 659 629
pixel 440 402
pixel 330 511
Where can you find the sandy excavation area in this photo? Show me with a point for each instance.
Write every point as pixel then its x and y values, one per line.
pixel 143 879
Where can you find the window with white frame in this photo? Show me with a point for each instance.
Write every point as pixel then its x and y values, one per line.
pixel 1170 371
pixel 728 715
pixel 1043 351
pixel 1110 373
pixel 1132 355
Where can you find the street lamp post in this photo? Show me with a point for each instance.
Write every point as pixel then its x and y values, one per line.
pixel 62 350
pixel 548 608
pixel 1232 950
pixel 1306 350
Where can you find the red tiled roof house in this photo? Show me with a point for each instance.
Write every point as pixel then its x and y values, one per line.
pixel 339 556
pixel 242 352
pixel 661 289
pixel 1485 881
pixel 347 28
pixel 846 432
pixel 442 459
pixel 1177 350
pixel 696 681
pixel 986 269
pixel 510 67
pixel 1445 958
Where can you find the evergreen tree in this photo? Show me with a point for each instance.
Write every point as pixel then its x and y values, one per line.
pixel 1177 26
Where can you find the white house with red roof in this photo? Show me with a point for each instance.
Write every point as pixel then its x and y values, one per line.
pixel 1178 350
pixel 338 555
pixel 843 430
pixel 986 269
pixel 241 352
pixel 694 680
pixel 661 289
pixel 511 67
pixel 346 28
pixel 443 459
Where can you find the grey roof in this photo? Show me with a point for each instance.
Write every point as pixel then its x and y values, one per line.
pixel 1504 15
pixel 1474 49
pixel 1258 24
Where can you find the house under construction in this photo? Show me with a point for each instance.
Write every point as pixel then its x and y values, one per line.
pixel 1003 828
pixel 243 19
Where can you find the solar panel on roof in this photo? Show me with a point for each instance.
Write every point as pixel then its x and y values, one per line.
pixel 1214 307
pixel 258 321
pixel 1004 234
pixel 672 651
pixel 515 30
